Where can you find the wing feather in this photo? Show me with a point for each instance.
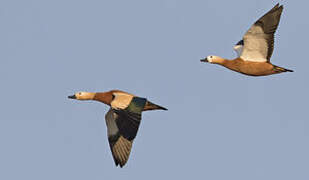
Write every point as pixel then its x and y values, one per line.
pixel 239 47
pixel 122 126
pixel 259 39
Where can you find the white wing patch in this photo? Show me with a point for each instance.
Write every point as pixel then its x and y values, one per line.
pixel 238 49
pixel 110 117
pixel 122 100
pixel 255 45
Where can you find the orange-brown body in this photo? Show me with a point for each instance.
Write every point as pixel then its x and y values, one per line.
pixel 248 67
pixel 252 68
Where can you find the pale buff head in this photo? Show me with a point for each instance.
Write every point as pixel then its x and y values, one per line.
pixel 83 96
pixel 213 60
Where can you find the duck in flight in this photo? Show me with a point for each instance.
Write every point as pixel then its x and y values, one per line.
pixel 255 49
pixel 122 119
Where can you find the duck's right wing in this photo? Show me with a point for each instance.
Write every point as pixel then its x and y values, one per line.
pixel 259 39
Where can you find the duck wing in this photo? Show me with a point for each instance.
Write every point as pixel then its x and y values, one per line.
pixel 122 126
pixel 259 39
pixel 239 47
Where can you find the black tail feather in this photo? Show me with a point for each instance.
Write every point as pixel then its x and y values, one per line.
pixel 280 69
pixel 288 70
pixel 151 106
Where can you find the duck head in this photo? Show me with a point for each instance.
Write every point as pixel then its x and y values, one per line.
pixel 83 96
pixel 213 60
pixel 104 97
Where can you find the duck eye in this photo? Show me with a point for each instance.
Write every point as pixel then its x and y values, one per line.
pixel 210 56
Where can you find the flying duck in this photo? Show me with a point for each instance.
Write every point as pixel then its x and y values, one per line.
pixel 122 119
pixel 255 49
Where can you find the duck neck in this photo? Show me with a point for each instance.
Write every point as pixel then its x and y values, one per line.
pixel 103 97
pixel 220 61
pixel 231 64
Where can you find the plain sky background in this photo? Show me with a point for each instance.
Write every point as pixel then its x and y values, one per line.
pixel 220 124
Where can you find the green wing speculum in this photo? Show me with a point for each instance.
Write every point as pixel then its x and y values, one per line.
pixel 129 119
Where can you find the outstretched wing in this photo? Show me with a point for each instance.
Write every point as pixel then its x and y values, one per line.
pixel 122 127
pixel 259 39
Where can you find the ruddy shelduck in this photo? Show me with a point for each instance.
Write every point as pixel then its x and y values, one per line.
pixel 256 48
pixel 122 119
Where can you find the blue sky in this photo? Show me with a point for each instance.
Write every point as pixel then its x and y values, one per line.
pixel 220 124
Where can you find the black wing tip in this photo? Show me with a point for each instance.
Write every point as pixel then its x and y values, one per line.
pixel 118 163
pixel 241 42
pixel 277 7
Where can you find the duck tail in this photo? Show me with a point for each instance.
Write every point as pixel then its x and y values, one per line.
pixel 151 106
pixel 280 69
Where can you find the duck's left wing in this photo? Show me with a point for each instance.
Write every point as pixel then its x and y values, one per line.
pixel 122 127
pixel 259 39
pixel 239 47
